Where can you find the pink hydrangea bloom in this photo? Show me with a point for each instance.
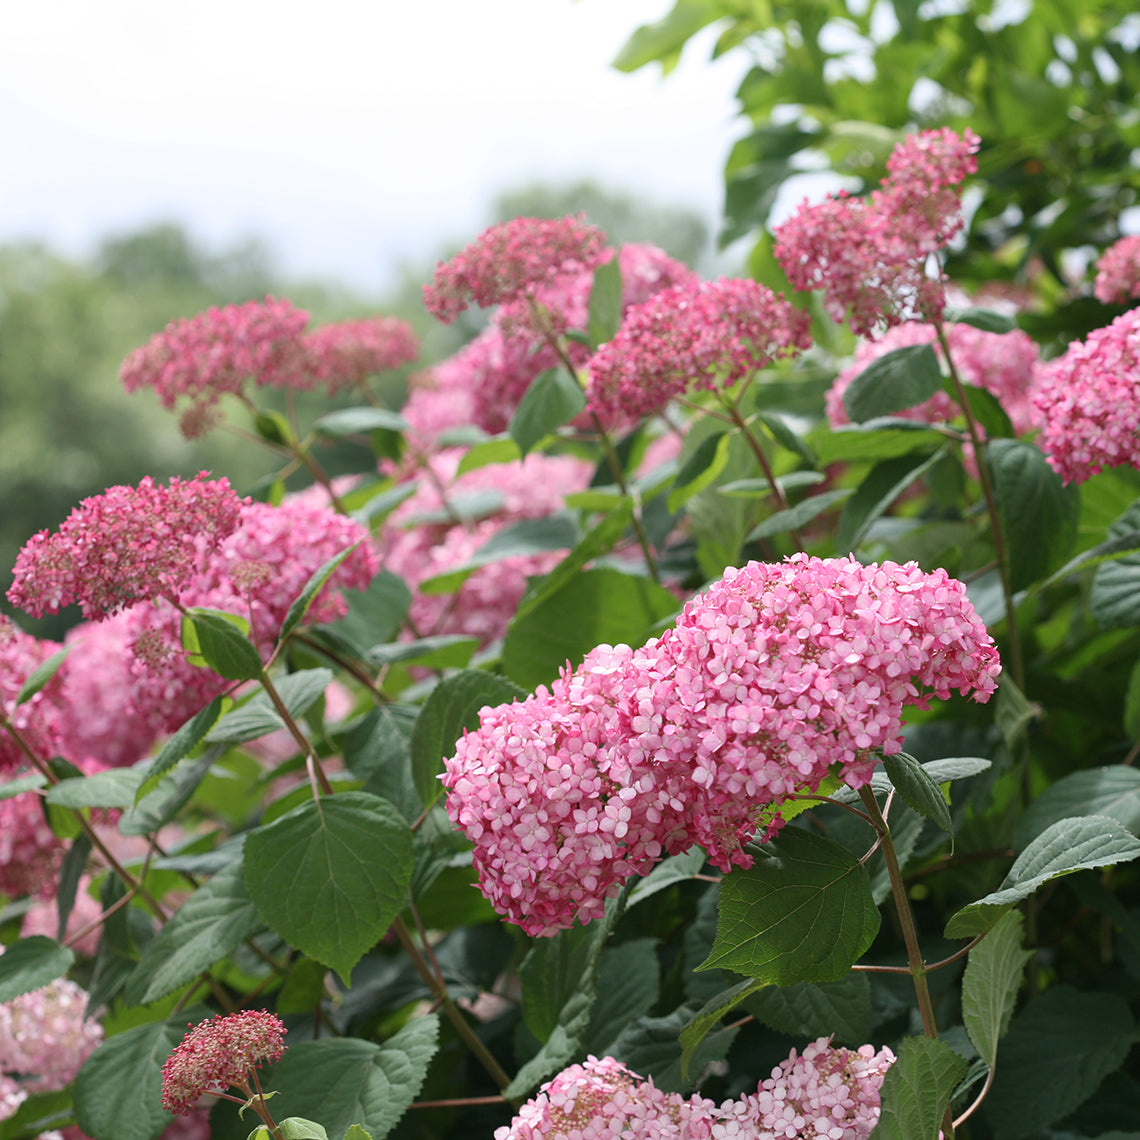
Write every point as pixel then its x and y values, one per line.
pixel 219 1054
pixel 45 1036
pixel 30 852
pixel 342 356
pixel 1006 364
pixel 483 383
pixel 128 545
pixel 1118 272
pixel 868 254
pixel 42 917
pixel 36 720
pixel 1089 402
pixel 199 359
pixel 824 1094
pixel 603 1100
pixel 775 677
pixel 709 336
pixel 510 260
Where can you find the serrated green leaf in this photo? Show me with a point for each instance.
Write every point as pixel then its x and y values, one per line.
pixel 651 1046
pixel 356 1132
pixel 918 789
pixel 1112 791
pixel 629 985
pixel 330 876
pixel 895 381
pixel 113 788
pixel 30 963
pixel 258 716
pixel 452 706
pixel 994 969
pixel 787 438
pixel 675 869
pixel 800 515
pixel 1068 845
pixel 158 808
pixel 298 1128
pixel 497 449
pixel 940 771
pixel 917 1089
pixel 1062 1045
pixel 700 469
pixel 217 641
pixel 359 421
pixel 118 1092
pixel 986 410
pixel 22 784
pixel 710 1015
pixel 553 399
pixel 858 444
pixel 182 743
pixel 985 319
pixel 304 600
pixel 1013 713
pixel 808 1011
pixel 802 913
pixel 441 651
pixel 604 313
pixel 1132 705
pixel 1111 550
pixel 41 675
pixel 209 925
pixel 1115 598
pixel 1038 512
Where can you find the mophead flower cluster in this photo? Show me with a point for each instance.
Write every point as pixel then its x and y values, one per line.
pixel 775 677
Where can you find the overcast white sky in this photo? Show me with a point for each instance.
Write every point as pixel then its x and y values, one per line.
pixel 351 139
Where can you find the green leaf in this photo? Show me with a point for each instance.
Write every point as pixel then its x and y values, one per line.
pixel 1038 512
pixel 1068 845
pixel 786 437
pixel 258 717
pixel 761 488
pixel 208 926
pixel 22 784
pixel 374 615
pixel 274 427
pixel 699 470
pixel 802 913
pixel 651 1046
pixel 918 788
pixel 799 515
pixel 330 877
pixel 218 641
pixel 994 969
pixel 895 381
pixel 30 963
pixel 883 484
pixel 379 751
pixel 304 600
pixel 553 399
pixel 1062 1045
pixel 710 1015
pixel 113 788
pixel 181 744
pixel 526 537
pixel 158 808
pixel 629 985
pixel 1013 713
pixel 452 706
pixel 1111 550
pixel 809 1011
pixel 1115 599
pixel 675 869
pixel 917 1089
pixel 1132 706
pixel 594 607
pixel 940 771
pixel 985 319
pixel 346 1080
pixel 359 421
pixel 859 444
pixel 986 410
pixel 663 40
pixel 1112 791
pixel 497 449
pixel 356 1132
pixel 118 1092
pixel 298 1128
pixel 41 675
pixel 605 303
pixel 441 651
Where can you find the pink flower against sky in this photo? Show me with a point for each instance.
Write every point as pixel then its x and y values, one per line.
pixel 868 255
pixel 1118 272
pixel 772 679
pixel 128 545
pixel 220 1054
pixel 1089 402
pixel 707 335
pixel 510 260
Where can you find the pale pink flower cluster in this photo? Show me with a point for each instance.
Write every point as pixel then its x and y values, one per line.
pixel 1006 364
pixel 509 261
pixel 218 1054
pixel 30 852
pixel 417 549
pixel 868 255
pixel 343 355
pixel 20 655
pixel 199 359
pixel 1118 272
pixel 1089 402
pixel 45 1036
pixel 707 335
pixel 772 679
pixel 483 383
pixel 42 917
pixel 825 1094
pixel 127 545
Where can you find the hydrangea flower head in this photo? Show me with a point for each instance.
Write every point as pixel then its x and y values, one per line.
pixel 218 1054
pixel 1118 272
pixel 199 359
pixel 128 545
pixel 1089 402
pixel 343 355
pixel 706 335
